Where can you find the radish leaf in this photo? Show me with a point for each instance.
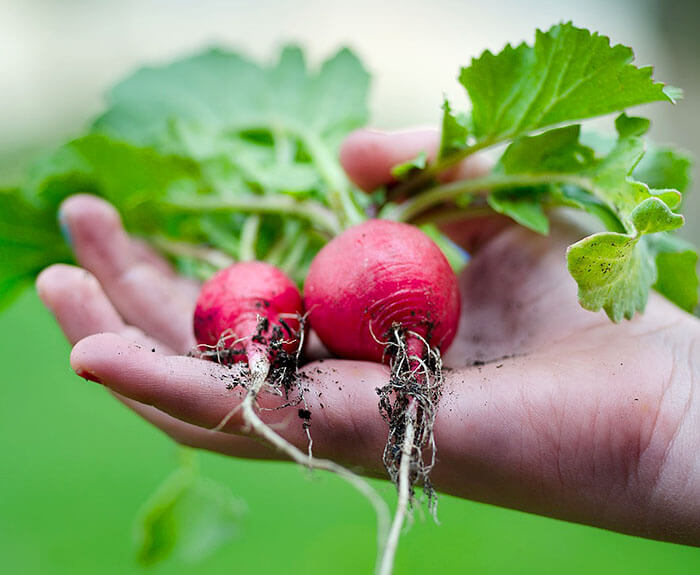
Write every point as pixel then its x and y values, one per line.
pixel 568 74
pixel 30 240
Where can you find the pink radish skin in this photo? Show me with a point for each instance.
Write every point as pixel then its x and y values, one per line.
pixel 234 299
pixel 373 276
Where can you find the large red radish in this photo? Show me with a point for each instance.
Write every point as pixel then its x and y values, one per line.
pixel 384 291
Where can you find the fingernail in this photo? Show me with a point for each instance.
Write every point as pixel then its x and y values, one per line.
pixel 85 374
pixel 63 226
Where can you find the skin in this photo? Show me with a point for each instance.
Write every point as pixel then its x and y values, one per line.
pixel 571 416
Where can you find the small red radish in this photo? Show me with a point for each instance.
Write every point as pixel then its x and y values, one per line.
pixel 384 290
pixel 251 312
pixel 247 308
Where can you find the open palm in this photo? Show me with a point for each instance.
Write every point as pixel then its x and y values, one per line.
pixel 546 408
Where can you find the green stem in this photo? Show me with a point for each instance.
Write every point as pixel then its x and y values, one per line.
pixel 452 214
pixel 289 235
pixel 426 176
pixel 308 210
pixel 415 206
pixel 211 256
pixel 249 239
pixel 340 196
pixel 292 260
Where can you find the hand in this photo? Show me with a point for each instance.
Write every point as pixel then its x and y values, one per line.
pixel 569 415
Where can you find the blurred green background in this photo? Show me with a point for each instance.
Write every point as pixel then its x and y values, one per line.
pixel 77 466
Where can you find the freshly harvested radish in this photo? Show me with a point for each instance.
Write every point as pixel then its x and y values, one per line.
pixel 249 311
pixel 375 276
pixel 384 291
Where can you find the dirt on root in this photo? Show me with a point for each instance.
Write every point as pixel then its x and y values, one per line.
pixel 414 390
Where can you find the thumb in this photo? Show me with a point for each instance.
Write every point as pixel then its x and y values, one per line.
pixel 368 157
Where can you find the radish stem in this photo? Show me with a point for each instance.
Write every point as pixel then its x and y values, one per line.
pixel 323 219
pixel 259 369
pixel 249 239
pixel 405 489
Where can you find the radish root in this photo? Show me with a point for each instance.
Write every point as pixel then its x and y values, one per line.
pixel 415 387
pixel 261 375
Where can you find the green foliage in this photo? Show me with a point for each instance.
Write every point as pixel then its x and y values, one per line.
pixel 215 151
pixel 524 206
pixel 676 262
pixel 614 271
pixel 30 240
pixel 188 517
pixel 188 152
pixel 568 74
pixel 664 167
pixel 454 133
pixel 521 97
pixel 223 92
pixel 403 171
pixel 557 150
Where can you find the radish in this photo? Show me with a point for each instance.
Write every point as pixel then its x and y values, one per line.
pixel 383 291
pixel 249 311
pixel 377 275
pixel 252 312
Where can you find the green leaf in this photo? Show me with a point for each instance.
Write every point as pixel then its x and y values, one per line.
pixel 404 170
pixel 557 150
pixel 454 133
pixel 189 517
pixel 158 527
pixel 664 167
pixel 569 74
pixel 572 196
pixel 614 272
pixel 524 206
pixel 660 167
pixel 125 175
pixel 653 215
pixel 223 91
pixel 612 182
pixel 30 240
pixel 676 263
pixel 629 126
pixel 251 120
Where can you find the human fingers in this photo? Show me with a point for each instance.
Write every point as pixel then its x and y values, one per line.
pixel 82 308
pixel 341 396
pixel 519 433
pixel 198 437
pixel 144 294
